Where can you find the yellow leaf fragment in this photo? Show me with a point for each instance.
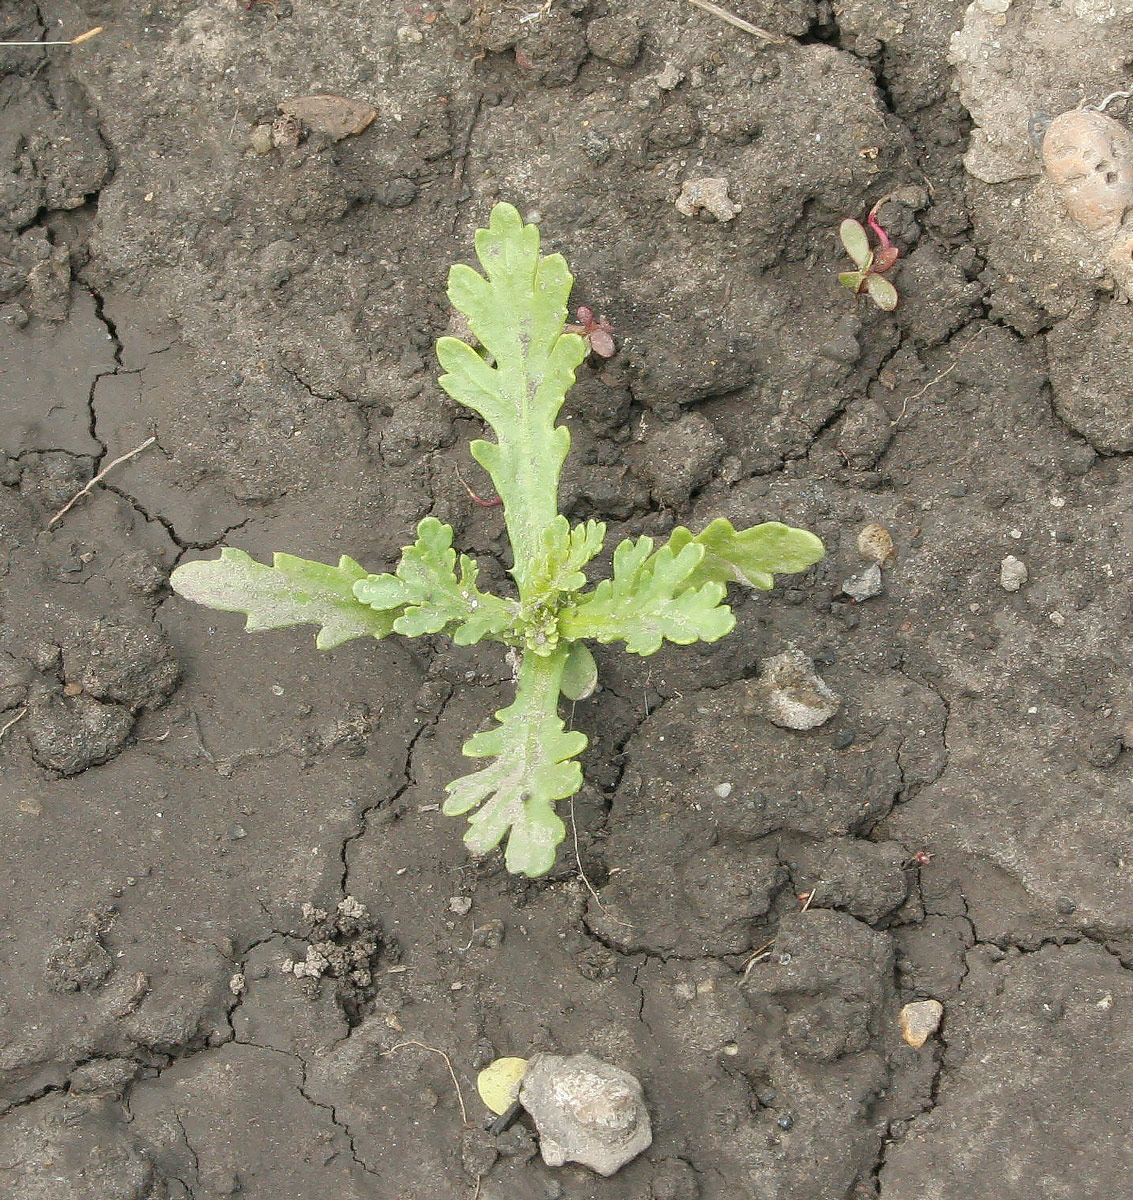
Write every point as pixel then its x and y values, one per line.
pixel 498 1083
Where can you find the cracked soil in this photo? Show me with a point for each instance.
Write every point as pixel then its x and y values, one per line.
pixel 739 911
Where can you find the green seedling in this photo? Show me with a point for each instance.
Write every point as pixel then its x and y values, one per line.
pixel 516 381
pixel 871 264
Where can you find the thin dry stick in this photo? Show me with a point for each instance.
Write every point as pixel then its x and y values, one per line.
pixel 18 717
pixel 933 381
pixel 716 11
pixel 99 478
pixel 541 11
pixel 765 949
pixel 448 1063
pixel 73 42
pixel 760 953
pixel 582 873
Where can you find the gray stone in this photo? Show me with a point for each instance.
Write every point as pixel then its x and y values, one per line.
pixel 865 585
pixel 586 1111
pixel 789 692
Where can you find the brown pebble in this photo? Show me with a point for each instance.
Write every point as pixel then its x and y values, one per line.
pixel 875 544
pixel 333 115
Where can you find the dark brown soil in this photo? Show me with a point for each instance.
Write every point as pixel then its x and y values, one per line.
pixel 739 911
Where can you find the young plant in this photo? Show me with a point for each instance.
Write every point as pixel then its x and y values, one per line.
pixel 871 264
pixel 516 381
pixel 597 331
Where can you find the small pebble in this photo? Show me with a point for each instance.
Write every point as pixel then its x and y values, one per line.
pixel 260 140
pixel 1013 574
pixel 920 1020
pixel 708 195
pixel 790 694
pixel 785 1121
pixel 723 790
pixel 461 905
pixel 490 935
pixel 865 585
pixel 875 545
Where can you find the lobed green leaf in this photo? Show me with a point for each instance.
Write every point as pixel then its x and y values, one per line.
pixel 534 767
pixel 753 556
pixel 651 598
pixel 563 554
pixel 427 596
pixel 292 591
pixel 517 310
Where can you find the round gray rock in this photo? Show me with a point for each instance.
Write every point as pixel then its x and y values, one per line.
pixel 586 1111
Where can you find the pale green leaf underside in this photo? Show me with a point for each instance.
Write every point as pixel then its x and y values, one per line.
pixel 517 311
pixel 881 292
pixel 426 595
pixel 292 591
pixel 651 598
pixel 534 766
pixel 580 675
pixel 856 241
pixel 754 555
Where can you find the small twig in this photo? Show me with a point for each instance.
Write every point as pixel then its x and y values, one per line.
pixel 73 42
pixel 472 495
pixel 1102 105
pixel 18 717
pixel 98 479
pixel 582 873
pixel 195 725
pixel 933 381
pixel 541 11
pixel 448 1063
pixel 762 952
pixel 767 947
pixel 716 11
pixel 506 1119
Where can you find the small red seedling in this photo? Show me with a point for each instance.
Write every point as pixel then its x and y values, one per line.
pixel 871 264
pixel 599 333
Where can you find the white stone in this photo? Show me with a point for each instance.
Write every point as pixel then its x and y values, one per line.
pixel 1012 573
pixel 710 194
pixel 865 585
